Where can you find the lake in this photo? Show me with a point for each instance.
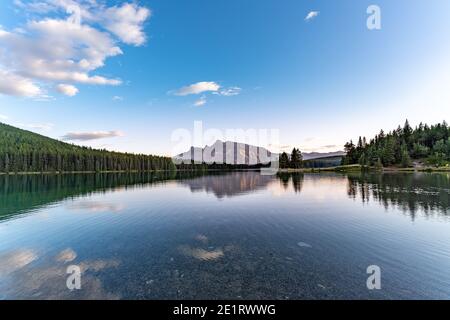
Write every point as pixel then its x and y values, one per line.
pixel 236 235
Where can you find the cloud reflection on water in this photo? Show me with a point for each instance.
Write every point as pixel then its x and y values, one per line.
pixel 96 206
pixel 16 260
pixel 47 280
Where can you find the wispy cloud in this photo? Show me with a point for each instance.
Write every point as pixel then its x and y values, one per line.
pixel 197 88
pixel 311 15
pixel 117 98
pixel 67 89
pixel 206 87
pixel 85 136
pixel 231 91
pixel 3 117
pixel 200 102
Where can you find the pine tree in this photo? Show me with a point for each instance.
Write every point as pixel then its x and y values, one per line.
pixel 284 161
pixel 405 160
pixel 296 159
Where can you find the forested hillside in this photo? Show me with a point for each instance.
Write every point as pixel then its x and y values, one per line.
pixel 24 151
pixel 402 146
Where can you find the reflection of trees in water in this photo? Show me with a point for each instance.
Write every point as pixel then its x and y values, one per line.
pixel 20 193
pixel 427 192
pixel 284 179
pixel 297 180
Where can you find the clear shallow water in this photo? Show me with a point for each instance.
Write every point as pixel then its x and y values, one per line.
pixel 225 236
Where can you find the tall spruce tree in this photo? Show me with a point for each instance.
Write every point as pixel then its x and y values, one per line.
pixel 296 159
pixel 284 161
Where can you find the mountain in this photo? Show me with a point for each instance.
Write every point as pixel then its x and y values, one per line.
pixel 317 155
pixel 230 152
pixel 25 151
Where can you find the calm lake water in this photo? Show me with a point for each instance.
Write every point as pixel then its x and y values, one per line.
pixel 237 235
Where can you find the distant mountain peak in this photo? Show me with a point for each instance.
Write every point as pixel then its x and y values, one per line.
pixel 231 152
pixel 228 152
pixel 316 155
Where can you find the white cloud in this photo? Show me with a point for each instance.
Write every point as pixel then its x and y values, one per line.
pixel 197 88
pixel 311 15
pixel 3 117
pixel 126 22
pixel 15 85
pixel 52 47
pixel 67 89
pixel 200 102
pixel 42 60
pixel 85 136
pixel 117 98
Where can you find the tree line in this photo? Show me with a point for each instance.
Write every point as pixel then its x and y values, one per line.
pixel 24 151
pixel 401 146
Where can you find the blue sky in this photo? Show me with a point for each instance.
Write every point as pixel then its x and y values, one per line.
pixel 320 81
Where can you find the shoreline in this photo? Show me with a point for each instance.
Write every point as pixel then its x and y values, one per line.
pixel 359 168
pixel 342 169
pixel 76 172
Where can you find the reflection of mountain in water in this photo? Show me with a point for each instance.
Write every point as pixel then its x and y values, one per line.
pixel 429 192
pixel 231 184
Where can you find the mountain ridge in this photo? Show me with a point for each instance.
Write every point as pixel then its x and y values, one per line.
pixel 232 152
